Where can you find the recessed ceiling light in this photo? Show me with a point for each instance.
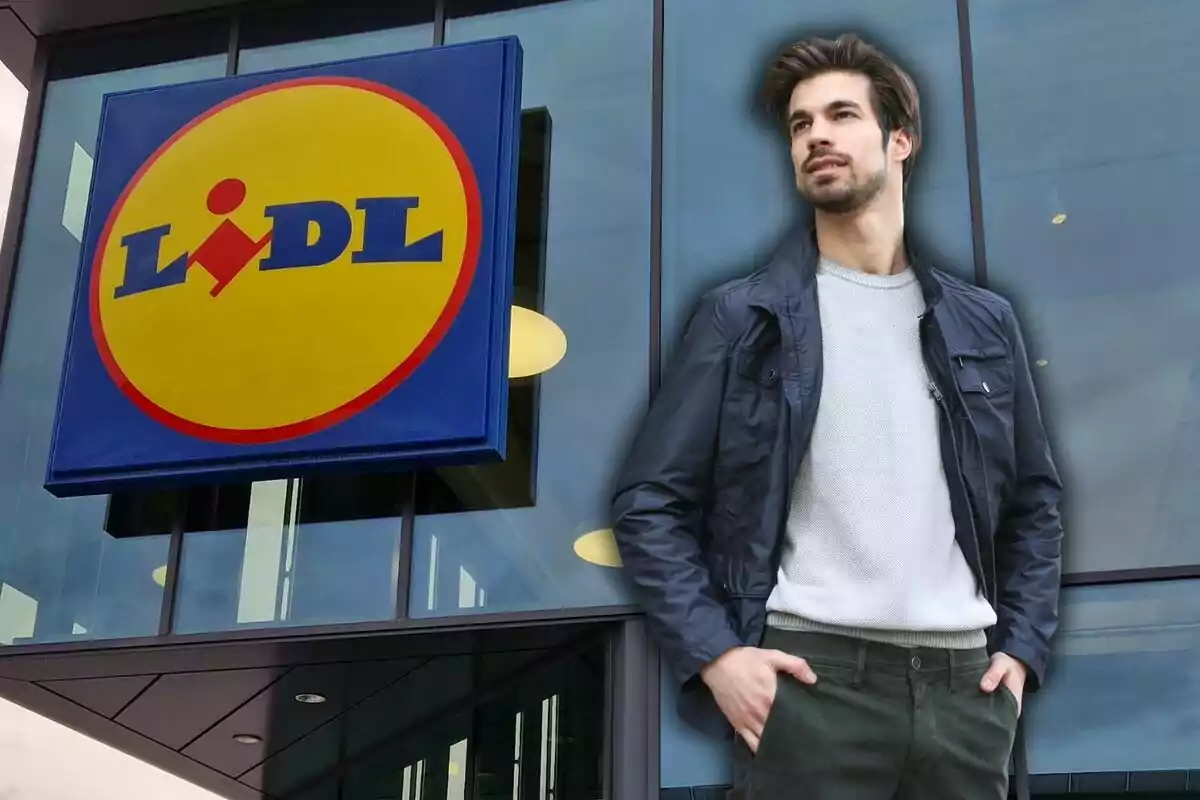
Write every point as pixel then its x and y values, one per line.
pixel 1041 362
pixel 247 738
pixel 1058 219
pixel 311 699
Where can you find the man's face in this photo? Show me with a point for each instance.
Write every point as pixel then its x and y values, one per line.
pixel 841 158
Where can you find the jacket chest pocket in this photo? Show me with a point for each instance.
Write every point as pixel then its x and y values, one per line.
pixel 985 373
pixel 750 413
pixel 758 368
pixel 985 381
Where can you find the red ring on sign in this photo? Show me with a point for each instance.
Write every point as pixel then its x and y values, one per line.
pixel 393 379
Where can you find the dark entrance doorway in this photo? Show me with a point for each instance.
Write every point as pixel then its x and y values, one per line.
pixel 524 724
pixel 520 710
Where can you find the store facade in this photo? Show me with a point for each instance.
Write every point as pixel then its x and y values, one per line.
pixel 465 631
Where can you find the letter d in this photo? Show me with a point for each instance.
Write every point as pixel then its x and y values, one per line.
pixel 289 238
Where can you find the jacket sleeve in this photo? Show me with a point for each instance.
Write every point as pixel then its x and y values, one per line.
pixel 1029 536
pixel 659 496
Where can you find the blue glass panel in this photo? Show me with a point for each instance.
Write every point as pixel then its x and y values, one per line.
pixel 62 577
pixel 1124 689
pixel 1088 167
pixel 335 48
pixel 281 567
pixel 596 87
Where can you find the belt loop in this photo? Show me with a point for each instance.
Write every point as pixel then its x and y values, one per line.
pixel 861 667
pixel 952 670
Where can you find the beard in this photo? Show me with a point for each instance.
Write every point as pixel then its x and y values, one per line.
pixel 842 197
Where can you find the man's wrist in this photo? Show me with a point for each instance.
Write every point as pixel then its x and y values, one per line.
pixel 1022 667
pixel 708 669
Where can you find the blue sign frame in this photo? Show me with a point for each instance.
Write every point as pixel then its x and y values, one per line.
pixel 451 410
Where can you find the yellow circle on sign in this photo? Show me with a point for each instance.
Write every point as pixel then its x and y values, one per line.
pixel 219 327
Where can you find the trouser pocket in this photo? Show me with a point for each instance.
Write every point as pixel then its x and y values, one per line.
pixel 838 739
pixel 965 738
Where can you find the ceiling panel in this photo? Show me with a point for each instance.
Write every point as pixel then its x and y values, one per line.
pixel 434 685
pixel 105 696
pixel 277 717
pixel 180 707
pixel 305 761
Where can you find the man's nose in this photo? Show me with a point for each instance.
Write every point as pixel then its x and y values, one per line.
pixel 818 138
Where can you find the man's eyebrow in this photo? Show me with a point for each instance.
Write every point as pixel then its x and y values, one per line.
pixel 836 105
pixel 797 116
pixel 839 105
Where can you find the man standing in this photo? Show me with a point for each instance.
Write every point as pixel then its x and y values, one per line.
pixel 841 514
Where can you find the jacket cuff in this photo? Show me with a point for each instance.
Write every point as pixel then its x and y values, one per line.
pixel 688 667
pixel 1034 660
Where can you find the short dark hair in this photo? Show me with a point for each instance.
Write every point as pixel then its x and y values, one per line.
pixel 894 95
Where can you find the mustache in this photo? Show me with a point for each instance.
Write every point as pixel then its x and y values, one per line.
pixel 818 155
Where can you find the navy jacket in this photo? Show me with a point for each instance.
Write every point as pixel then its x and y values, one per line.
pixel 701 502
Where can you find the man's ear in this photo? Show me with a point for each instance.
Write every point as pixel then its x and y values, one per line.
pixel 901 144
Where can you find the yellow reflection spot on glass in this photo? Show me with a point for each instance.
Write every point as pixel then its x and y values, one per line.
pixel 1059 219
pixel 599 548
pixel 160 575
pixel 537 343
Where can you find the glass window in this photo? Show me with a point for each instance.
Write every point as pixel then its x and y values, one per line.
pixel 728 187
pixel 297 36
pixel 597 94
pixel 1123 693
pixel 1087 164
pixel 316 551
pixel 538 734
pixel 687 756
pixel 62 577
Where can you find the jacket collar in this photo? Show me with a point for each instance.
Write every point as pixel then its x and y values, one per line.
pixel 791 272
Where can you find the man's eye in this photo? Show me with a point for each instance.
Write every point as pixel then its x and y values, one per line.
pixel 799 126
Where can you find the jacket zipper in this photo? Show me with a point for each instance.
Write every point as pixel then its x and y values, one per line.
pixel 977 565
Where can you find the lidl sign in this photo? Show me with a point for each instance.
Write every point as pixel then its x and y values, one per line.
pixel 307 269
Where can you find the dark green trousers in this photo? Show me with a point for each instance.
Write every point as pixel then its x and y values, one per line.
pixel 881 723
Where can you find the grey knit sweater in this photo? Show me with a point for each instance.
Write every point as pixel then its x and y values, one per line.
pixel 870 549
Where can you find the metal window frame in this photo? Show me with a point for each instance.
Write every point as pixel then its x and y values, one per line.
pixel 1019 759
pixel 14 228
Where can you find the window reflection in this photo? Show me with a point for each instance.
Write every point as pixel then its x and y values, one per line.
pixel 526 725
pixel 1108 298
pixel 62 576
pixel 315 551
pixel 596 289
pixel 1121 695
pixel 298 34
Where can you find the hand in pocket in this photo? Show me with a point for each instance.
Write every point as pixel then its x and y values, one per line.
pixel 744 681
